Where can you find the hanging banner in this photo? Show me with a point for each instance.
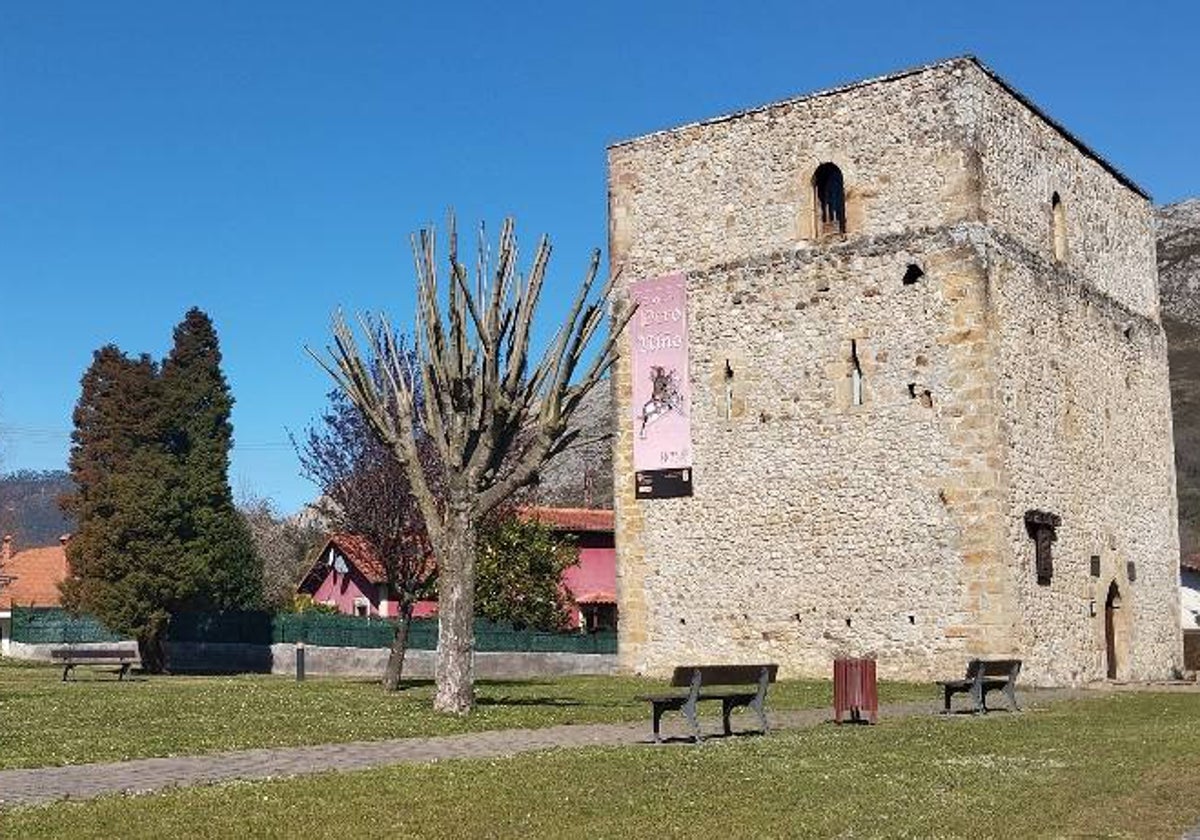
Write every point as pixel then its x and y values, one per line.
pixel 662 391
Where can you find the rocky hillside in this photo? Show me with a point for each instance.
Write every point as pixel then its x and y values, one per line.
pixel 1179 285
pixel 29 507
pixel 582 475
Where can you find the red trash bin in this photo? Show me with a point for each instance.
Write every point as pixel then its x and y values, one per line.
pixel 854 690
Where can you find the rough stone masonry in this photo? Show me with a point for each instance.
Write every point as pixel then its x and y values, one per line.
pixel 930 416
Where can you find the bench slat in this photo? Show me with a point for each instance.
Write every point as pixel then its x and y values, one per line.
pixel 722 674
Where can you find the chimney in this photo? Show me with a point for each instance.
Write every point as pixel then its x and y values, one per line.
pixel 6 552
pixel 64 539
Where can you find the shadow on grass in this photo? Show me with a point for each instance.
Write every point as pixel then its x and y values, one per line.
pixel 549 702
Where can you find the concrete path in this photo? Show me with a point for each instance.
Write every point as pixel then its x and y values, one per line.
pixel 85 781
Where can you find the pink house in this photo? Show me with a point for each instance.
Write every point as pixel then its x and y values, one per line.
pixel 593 581
pixel 348 575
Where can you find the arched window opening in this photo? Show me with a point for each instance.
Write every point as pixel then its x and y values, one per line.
pixel 1060 227
pixel 830 204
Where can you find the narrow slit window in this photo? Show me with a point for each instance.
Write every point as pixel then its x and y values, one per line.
pixel 856 375
pixel 728 390
pixel 830 200
pixel 1059 214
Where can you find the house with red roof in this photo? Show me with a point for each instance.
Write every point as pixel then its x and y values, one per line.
pixel 348 574
pixel 29 578
pixel 592 582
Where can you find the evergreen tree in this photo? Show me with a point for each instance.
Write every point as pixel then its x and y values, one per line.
pixel 157 528
pixel 215 538
pixel 124 556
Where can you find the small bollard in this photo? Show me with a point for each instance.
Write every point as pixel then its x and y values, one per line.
pixel 299 661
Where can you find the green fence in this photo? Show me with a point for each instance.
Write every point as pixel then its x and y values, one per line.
pixel 54 626
pixel 328 630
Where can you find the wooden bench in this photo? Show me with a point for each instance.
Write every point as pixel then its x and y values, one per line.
pixel 714 682
pixel 121 659
pixel 984 675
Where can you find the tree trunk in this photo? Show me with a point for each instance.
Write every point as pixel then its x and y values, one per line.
pixel 456 614
pixel 152 645
pixel 395 664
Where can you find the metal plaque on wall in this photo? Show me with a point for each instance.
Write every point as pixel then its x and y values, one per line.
pixel 662 391
pixel 662 484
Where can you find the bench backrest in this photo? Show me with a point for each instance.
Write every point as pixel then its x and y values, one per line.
pixel 978 668
pixel 724 674
pixel 103 655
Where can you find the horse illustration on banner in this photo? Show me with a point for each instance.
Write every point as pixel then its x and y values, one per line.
pixel 664 397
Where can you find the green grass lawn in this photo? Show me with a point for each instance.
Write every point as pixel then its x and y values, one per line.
pixel 1119 766
pixel 99 719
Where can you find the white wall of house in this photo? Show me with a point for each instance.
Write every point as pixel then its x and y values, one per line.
pixel 1189 591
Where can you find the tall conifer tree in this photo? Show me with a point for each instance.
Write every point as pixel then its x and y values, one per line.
pixel 124 556
pixel 214 535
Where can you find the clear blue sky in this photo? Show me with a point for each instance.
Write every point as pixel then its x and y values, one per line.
pixel 267 161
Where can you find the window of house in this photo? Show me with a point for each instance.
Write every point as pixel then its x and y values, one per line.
pixel 362 607
pixel 1059 214
pixel 829 192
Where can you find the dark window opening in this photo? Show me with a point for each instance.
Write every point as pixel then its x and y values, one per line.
pixel 912 274
pixel 1041 527
pixel 1095 570
pixel 1131 571
pixel 923 395
pixel 856 375
pixel 830 193
pixel 728 390
pixel 1060 227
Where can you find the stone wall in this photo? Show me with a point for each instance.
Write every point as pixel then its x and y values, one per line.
pixel 895 528
pixel 1109 226
pixel 199 657
pixel 1086 422
pixel 702 194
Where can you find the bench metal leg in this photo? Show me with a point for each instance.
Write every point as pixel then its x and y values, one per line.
pixel 124 670
pixel 979 698
pixel 658 713
pixel 1010 691
pixel 689 712
pixel 760 707
pixel 66 670
pixel 949 693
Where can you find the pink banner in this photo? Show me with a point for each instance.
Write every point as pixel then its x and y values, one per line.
pixel 662 392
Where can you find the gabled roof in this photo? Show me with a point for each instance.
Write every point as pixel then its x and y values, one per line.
pixel 358 553
pixel 36 574
pixel 912 71
pixel 595 520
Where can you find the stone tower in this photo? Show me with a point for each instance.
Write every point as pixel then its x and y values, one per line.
pixel 916 393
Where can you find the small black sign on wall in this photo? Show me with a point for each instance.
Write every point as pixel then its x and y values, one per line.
pixel 1131 571
pixel 663 484
pixel 1095 565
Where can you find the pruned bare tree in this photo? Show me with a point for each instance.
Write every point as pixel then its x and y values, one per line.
pixel 494 414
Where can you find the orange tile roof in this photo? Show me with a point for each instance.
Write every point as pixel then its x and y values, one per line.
pixel 37 573
pixel 571 519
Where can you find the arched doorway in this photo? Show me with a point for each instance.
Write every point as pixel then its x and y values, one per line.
pixel 1111 605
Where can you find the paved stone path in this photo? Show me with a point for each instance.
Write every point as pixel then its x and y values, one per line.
pixel 85 781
